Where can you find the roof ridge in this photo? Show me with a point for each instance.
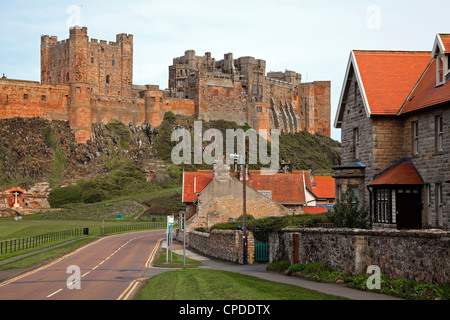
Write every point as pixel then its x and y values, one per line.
pixel 392 52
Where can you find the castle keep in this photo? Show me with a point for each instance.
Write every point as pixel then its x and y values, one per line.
pixel 86 81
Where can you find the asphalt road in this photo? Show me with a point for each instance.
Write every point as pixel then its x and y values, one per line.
pixel 107 269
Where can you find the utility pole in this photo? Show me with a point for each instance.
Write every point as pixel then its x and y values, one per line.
pixel 244 206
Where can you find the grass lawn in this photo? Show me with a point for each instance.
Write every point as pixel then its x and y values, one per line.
pixel 204 284
pixel 177 261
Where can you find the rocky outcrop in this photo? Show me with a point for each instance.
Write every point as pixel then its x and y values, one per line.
pixel 33 149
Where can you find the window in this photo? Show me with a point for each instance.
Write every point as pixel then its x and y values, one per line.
pixel 78 90
pixel 43 98
pixel 255 89
pixel 440 70
pixel 383 209
pixel 439 134
pixel 113 63
pixel 259 109
pixel 92 60
pixel 68 77
pixel 107 79
pixel 415 135
pixel 440 193
pixel 25 97
pixel 439 203
pixel 356 143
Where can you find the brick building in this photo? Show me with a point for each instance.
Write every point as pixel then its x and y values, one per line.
pixel 86 81
pixel 394 113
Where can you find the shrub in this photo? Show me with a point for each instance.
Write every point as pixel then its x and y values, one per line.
pixel 65 195
pixel 122 131
pixel 298 267
pixel 348 214
pixel 278 266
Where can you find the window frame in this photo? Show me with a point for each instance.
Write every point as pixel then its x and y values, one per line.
pixel 415 137
pixel 439 133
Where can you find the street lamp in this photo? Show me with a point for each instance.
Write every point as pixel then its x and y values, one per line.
pixel 243 161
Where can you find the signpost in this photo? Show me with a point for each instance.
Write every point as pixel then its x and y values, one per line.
pixel 169 238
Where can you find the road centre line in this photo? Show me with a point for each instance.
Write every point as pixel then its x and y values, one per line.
pixel 56 292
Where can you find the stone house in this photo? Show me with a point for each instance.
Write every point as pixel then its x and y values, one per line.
pixel 394 113
pixel 213 197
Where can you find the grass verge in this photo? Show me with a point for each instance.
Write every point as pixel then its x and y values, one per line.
pixel 176 262
pixel 204 284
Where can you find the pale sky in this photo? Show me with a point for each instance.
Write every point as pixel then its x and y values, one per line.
pixel 313 38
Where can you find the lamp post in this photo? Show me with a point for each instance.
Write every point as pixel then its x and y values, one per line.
pixel 243 162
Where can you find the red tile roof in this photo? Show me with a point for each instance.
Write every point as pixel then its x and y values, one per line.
pixel 324 187
pixel 402 173
pixel 389 76
pixel 445 39
pixel 426 94
pixel 314 210
pixel 198 180
pixel 285 188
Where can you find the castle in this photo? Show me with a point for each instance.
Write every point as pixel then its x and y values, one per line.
pixel 86 81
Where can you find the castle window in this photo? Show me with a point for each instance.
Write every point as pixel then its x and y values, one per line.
pixel 25 97
pixel 43 98
pixel 113 63
pixel 255 89
pixel 259 109
pixel 78 90
pixel 92 60
pixel 439 134
pixel 107 79
pixel 68 77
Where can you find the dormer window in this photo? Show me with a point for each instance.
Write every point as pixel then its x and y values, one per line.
pixel 440 76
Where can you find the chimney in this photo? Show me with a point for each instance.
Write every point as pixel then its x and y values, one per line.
pixel 221 171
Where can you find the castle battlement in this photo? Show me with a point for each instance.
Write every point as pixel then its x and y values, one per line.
pixel 86 81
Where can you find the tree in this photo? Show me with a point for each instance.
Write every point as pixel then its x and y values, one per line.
pixel 348 214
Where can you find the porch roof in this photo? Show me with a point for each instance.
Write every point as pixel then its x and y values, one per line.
pixel 401 173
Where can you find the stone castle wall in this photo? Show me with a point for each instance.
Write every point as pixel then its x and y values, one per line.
pixel 87 81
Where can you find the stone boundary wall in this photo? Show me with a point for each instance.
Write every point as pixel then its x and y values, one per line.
pixel 423 255
pixel 222 244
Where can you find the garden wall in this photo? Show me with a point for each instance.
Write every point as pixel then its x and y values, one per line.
pixel 423 255
pixel 223 244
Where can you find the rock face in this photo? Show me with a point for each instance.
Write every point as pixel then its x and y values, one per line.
pixel 34 150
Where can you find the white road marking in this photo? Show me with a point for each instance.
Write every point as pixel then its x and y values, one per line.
pixel 56 292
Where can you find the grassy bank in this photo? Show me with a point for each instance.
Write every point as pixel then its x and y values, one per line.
pixel 203 284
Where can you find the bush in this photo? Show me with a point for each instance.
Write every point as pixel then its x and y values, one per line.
pixel 348 214
pixel 261 228
pixel 65 195
pixel 122 131
pixel 278 266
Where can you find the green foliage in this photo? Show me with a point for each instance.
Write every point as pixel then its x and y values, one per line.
pixel 64 195
pixel 348 213
pixel 305 151
pixel 59 156
pixel 124 178
pixel 278 266
pixel 403 288
pixel 261 228
pixel 121 131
